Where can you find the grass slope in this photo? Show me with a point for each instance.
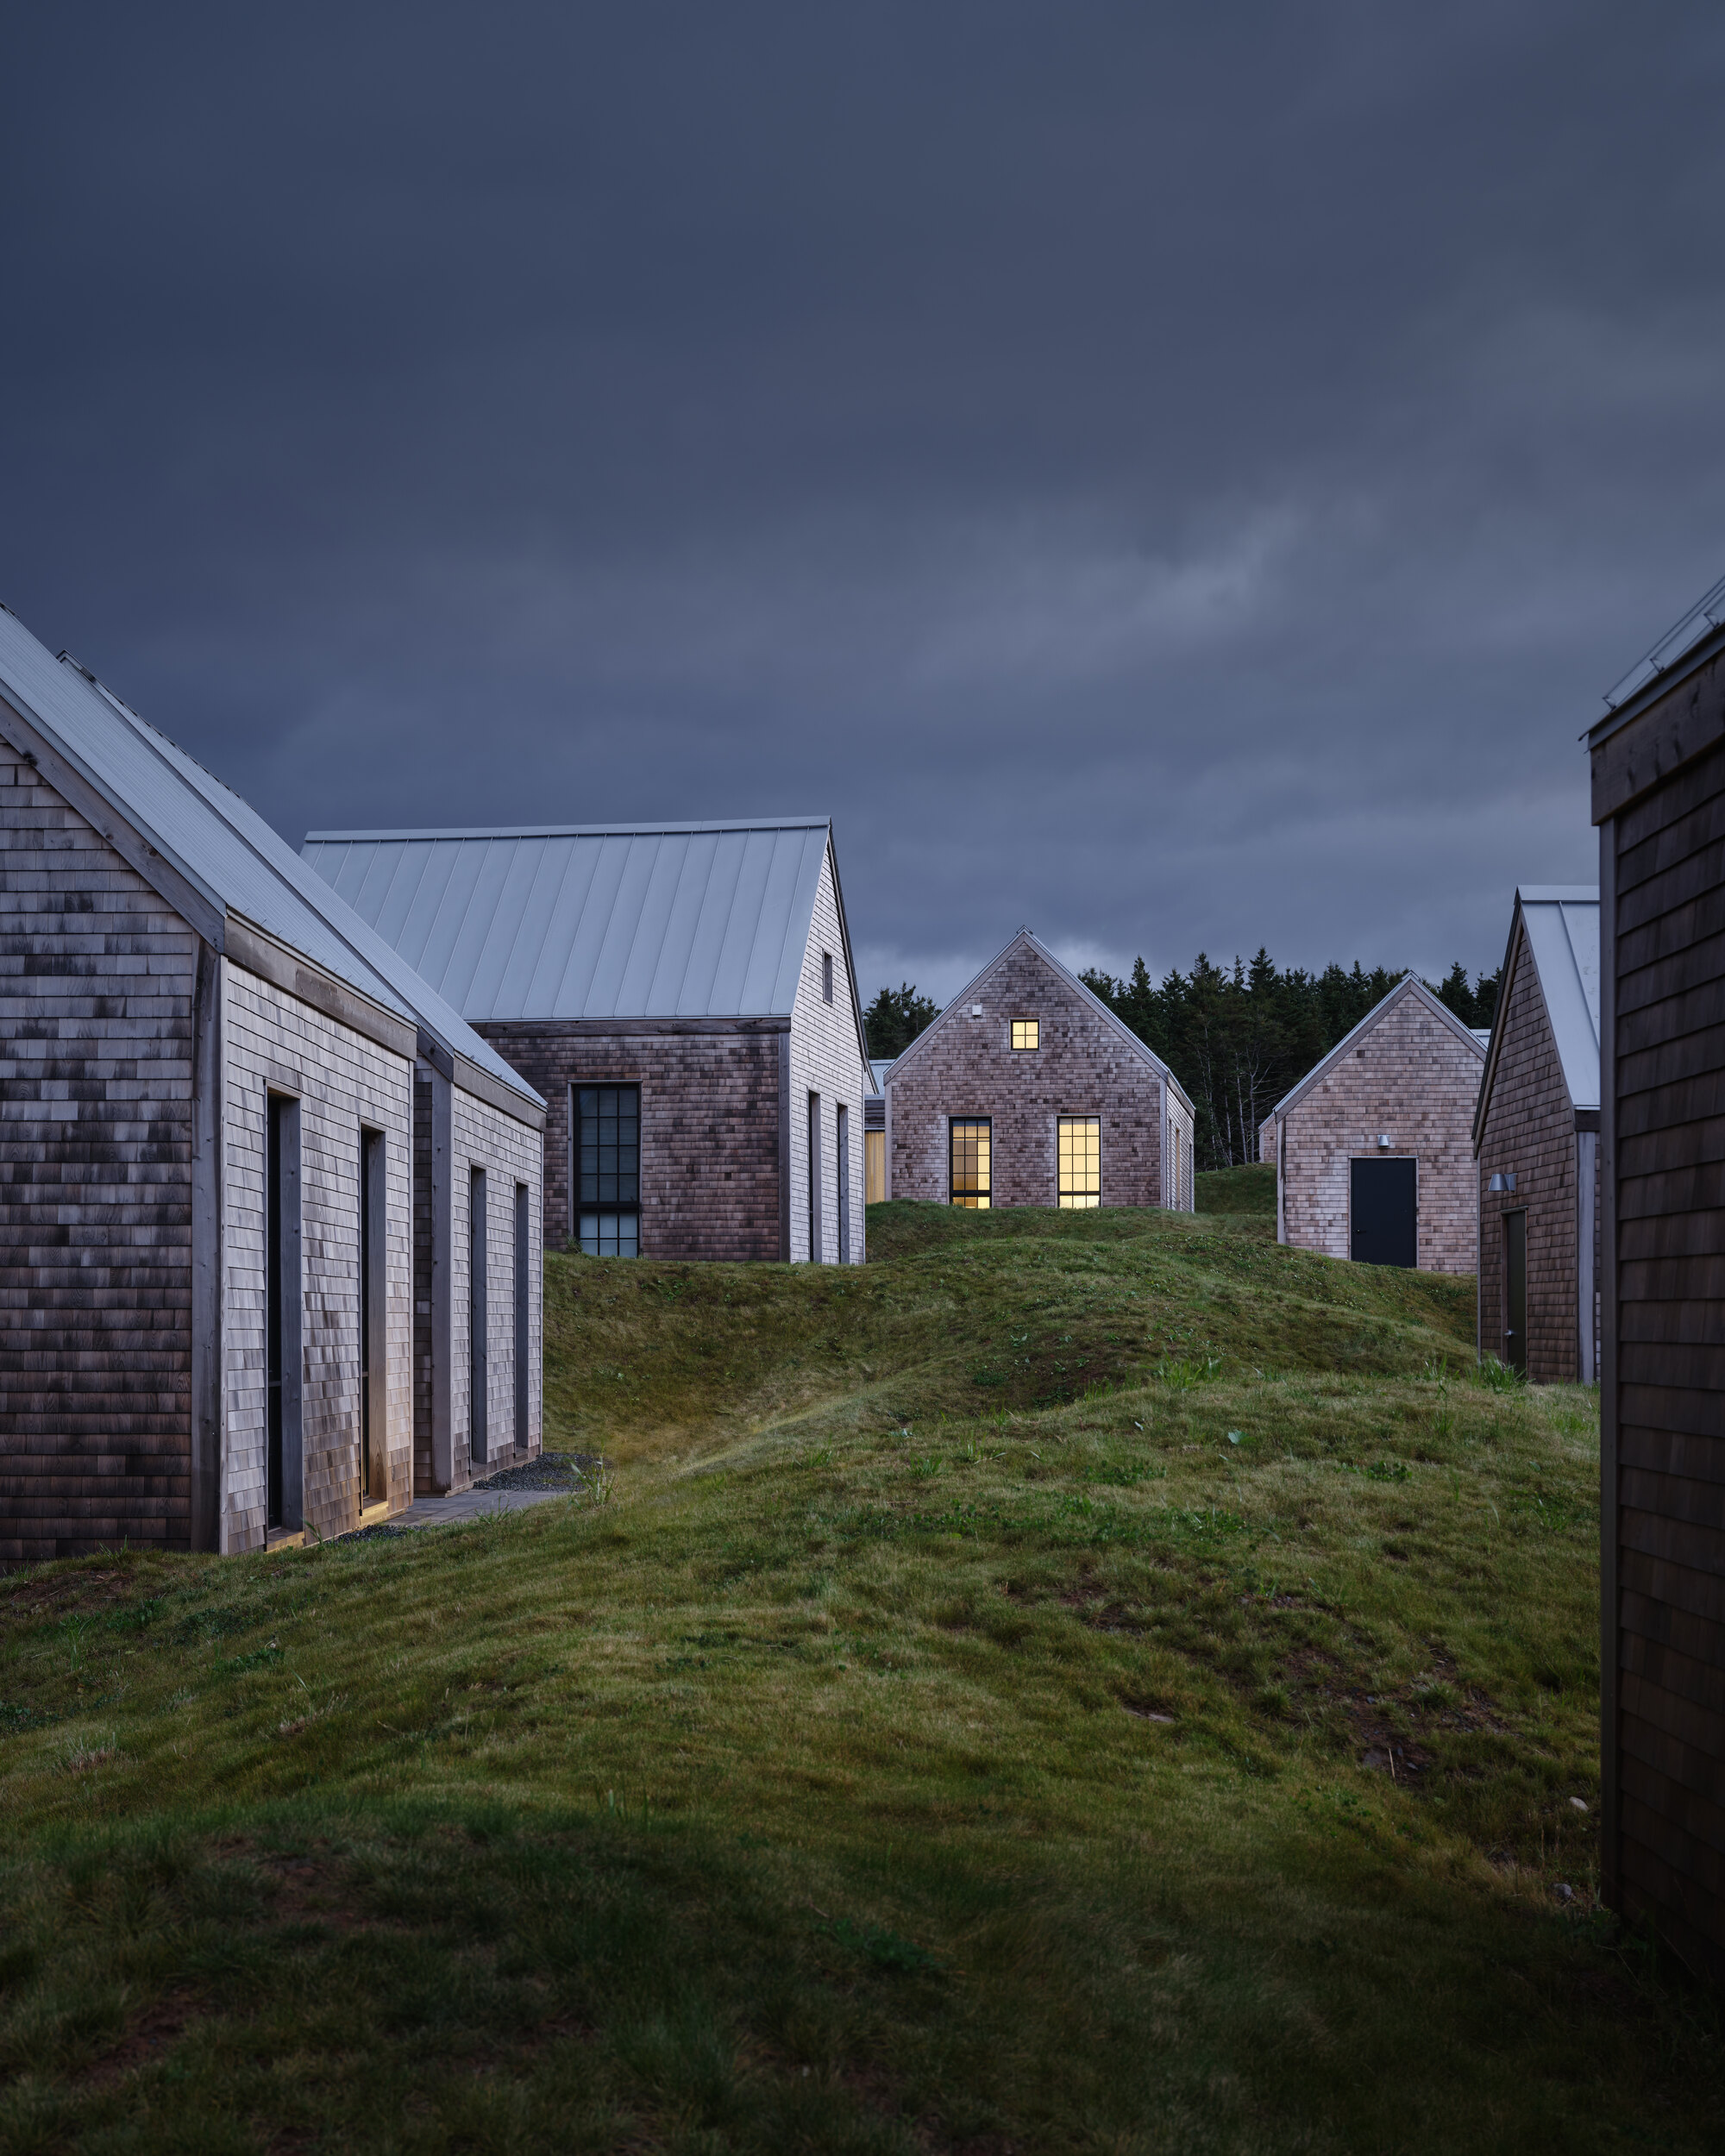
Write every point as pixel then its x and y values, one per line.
pixel 1082 1681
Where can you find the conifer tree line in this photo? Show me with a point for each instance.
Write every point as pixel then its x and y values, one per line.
pixel 1237 1038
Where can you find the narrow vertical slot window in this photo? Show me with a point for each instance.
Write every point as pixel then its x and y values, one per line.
pixel 608 1169
pixel 814 1219
pixel 478 1399
pixel 283 1493
pixel 826 976
pixel 374 1413
pixel 1079 1147
pixel 524 1310
pixel 844 1186
pixel 972 1164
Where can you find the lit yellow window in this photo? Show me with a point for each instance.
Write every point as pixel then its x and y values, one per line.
pixel 1024 1032
pixel 970 1164
pixel 1080 1162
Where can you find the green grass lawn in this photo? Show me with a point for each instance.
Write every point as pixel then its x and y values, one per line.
pixel 1090 1682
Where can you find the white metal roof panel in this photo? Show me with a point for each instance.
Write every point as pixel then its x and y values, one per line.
pixel 683 920
pixel 218 841
pixel 1562 926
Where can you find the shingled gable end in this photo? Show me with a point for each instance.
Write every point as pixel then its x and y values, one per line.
pixel 228 1268
pixel 1373 1147
pixel 682 994
pixel 1536 1143
pixel 1028 1091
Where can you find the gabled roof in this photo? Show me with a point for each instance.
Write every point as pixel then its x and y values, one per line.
pixel 595 921
pixel 216 843
pixel 1410 985
pixel 1024 940
pixel 1557 924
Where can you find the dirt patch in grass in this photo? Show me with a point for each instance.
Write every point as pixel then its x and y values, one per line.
pixel 151 2033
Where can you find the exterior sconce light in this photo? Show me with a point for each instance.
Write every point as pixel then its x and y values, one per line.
pixel 1384 1143
pixel 975 1010
pixel 1503 1182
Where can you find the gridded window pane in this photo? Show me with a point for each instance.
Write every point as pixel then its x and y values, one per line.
pixel 611 1234
pixel 1080 1162
pixel 608 1169
pixel 1025 1032
pixel 970 1164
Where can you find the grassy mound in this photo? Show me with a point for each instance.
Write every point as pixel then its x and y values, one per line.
pixel 1237 1190
pixel 1081 1682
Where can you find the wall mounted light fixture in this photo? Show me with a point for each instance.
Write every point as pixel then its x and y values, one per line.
pixel 1504 1181
pixel 1384 1143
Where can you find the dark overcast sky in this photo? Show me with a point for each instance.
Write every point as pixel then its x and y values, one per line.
pixel 1178 477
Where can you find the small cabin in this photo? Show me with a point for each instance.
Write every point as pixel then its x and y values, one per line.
pixel 1536 1143
pixel 1374 1147
pixel 1658 800
pixel 1028 1091
pixel 683 996
pixel 269 1225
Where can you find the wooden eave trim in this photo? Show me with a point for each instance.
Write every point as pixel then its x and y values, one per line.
pixel 1652 740
pixel 195 906
pixel 499 1029
pixel 849 967
pixel 286 968
pixel 450 1064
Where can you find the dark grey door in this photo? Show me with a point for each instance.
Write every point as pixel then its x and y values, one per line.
pixel 1516 1290
pixel 1384 1211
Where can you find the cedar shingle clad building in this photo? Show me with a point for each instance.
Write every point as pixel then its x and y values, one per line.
pixel 1536 1137
pixel 208 1178
pixel 683 997
pixel 1028 1091
pixel 1659 800
pixel 1374 1147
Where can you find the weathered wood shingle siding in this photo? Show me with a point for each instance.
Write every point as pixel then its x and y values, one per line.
pixel 1530 1128
pixel 1414 1080
pixel 97 981
pixel 508 1152
pixel 342 1079
pixel 1663 880
pixel 826 1060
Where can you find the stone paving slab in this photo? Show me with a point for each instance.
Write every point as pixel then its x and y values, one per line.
pixel 471 1504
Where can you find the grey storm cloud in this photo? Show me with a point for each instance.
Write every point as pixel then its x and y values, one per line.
pixel 1178 478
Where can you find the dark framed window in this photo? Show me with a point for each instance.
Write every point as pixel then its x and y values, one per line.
pixel 972 1162
pixel 373 1408
pixel 523 1306
pixel 608 1170
pixel 814 1217
pixel 283 1312
pixel 1026 1032
pixel 1080 1148
pixel 827 976
pixel 478 1323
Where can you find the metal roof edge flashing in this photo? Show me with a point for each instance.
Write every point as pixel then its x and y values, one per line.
pixel 1656 686
pixel 649 829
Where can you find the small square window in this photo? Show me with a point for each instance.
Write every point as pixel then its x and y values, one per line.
pixel 1025 1032
pixel 826 976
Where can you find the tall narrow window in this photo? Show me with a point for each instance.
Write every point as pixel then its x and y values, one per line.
pixel 844 1186
pixel 971 1146
pixel 479 1391
pixel 608 1169
pixel 814 1220
pixel 374 1413
pixel 284 1500
pixel 524 1308
pixel 1079 1147
pixel 827 976
pixel 1025 1032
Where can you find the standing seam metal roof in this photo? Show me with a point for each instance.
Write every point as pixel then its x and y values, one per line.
pixel 217 842
pixel 665 920
pixel 1560 925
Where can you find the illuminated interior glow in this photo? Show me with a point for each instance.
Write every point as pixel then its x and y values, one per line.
pixel 1080 1163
